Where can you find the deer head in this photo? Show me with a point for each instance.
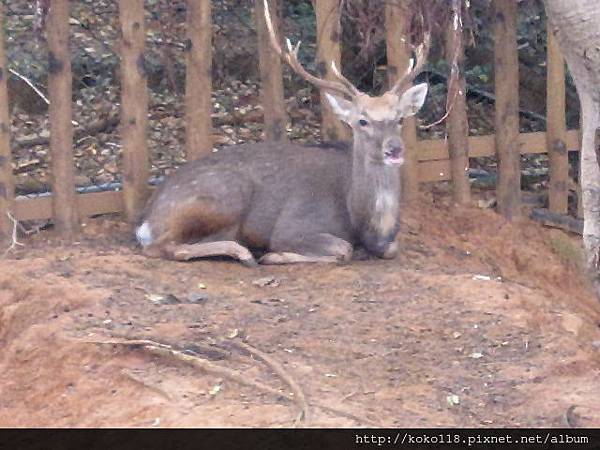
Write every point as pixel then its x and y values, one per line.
pixel 378 120
pixel 375 121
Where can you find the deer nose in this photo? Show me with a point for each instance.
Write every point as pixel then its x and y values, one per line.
pixel 393 149
pixel 395 145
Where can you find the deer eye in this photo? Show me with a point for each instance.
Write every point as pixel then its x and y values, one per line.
pixel 400 121
pixel 363 122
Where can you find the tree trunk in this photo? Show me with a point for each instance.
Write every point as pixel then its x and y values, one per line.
pixel 198 80
pixel 576 25
pixel 64 201
pixel 329 35
pixel 271 79
pixel 458 122
pixel 398 14
pixel 7 192
pixel 506 83
pixel 134 108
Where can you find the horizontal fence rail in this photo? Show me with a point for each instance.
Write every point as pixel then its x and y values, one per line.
pixel 434 165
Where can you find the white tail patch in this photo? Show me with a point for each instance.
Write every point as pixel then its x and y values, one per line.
pixel 144 234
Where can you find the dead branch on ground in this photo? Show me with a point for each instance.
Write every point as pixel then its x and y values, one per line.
pixel 201 363
pixel 165 350
pixel 280 371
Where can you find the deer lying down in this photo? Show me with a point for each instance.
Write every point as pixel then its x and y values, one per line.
pixel 300 204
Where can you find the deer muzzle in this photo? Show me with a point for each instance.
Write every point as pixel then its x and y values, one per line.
pixel 393 151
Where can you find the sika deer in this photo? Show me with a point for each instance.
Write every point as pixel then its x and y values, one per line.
pixel 300 204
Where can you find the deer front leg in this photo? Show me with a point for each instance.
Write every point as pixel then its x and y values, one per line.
pixel 293 258
pixel 185 252
pixel 391 251
pixel 385 247
pixel 317 248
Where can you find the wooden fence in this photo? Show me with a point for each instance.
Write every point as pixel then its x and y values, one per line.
pixel 428 160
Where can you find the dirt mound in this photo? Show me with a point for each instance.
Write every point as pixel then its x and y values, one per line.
pixel 479 322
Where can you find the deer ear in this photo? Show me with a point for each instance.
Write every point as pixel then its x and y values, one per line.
pixel 412 100
pixel 340 106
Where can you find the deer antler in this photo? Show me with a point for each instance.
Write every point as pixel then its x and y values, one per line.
pixel 343 86
pixel 414 68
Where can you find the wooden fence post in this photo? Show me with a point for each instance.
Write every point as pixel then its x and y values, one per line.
pixel 329 36
pixel 556 127
pixel 579 190
pixel 6 176
pixel 198 81
pixel 458 123
pixel 64 196
pixel 506 66
pixel 134 107
pixel 271 84
pixel 397 23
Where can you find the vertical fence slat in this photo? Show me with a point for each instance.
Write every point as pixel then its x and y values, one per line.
pixel 271 78
pixel 6 175
pixel 397 22
pixel 556 127
pixel 579 191
pixel 328 49
pixel 64 202
pixel 458 123
pixel 198 83
pixel 134 107
pixel 506 66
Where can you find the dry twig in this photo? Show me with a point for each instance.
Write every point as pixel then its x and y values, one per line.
pixel 14 238
pixel 29 83
pixel 453 80
pixel 145 384
pixel 280 371
pixel 35 89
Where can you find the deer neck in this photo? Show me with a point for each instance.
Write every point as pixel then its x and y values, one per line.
pixel 373 194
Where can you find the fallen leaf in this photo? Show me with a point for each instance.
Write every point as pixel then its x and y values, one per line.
pixel 453 400
pixel 155 298
pixel 215 390
pixel 266 281
pixel 159 299
pixel 234 333
pixel 482 278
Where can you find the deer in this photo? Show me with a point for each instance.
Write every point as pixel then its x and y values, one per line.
pixel 296 203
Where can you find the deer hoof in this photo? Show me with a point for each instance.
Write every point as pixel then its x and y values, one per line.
pixel 181 255
pixel 249 262
pixel 271 258
pixel 343 252
pixel 391 251
pixel 344 258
